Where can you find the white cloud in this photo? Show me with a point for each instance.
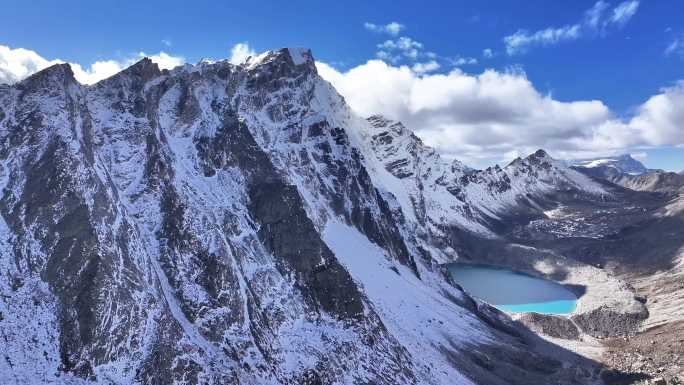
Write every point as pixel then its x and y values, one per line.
pixel 461 61
pixel 240 52
pixel 676 46
pixel 388 57
pixel 521 40
pixel 167 42
pixel 98 70
pixel 624 12
pixel 495 116
pixel 105 68
pixel 660 120
pixel 593 19
pixel 19 63
pixel 487 53
pixel 392 28
pixel 164 60
pixel 593 16
pixel 404 45
pixel 426 67
pixel 406 50
pixel 642 156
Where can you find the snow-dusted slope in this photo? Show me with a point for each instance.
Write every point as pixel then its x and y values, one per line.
pixel 655 180
pixel 238 224
pixel 439 194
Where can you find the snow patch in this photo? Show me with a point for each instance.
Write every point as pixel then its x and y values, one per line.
pixel 299 55
pixel 422 319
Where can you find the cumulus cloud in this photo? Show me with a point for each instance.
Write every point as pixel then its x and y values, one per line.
pixel 594 20
pixel 164 60
pixel 103 69
pixel 19 63
pixel 426 67
pixel 660 120
pixel 461 61
pixel 496 116
pixel 240 52
pixel 392 28
pixel 404 49
pixel 487 53
pixel 403 45
pixel 387 56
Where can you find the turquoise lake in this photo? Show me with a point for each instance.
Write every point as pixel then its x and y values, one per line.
pixel 513 292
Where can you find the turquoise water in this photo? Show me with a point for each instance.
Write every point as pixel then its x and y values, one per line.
pixel 550 307
pixel 513 292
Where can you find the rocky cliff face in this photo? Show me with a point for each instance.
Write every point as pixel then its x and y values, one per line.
pixel 238 224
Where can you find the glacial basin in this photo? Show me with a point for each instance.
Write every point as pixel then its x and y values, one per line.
pixel 513 292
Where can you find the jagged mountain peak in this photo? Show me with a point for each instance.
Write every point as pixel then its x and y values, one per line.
pixel 293 58
pixel 535 157
pixel 540 166
pixel 538 159
pixel 56 75
pixel 145 69
pixel 540 154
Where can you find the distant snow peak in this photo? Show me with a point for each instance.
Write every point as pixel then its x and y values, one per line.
pixel 623 164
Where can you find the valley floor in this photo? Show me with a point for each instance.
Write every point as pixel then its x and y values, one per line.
pixel 634 249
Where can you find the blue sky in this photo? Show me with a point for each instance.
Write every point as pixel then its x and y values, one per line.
pixel 621 62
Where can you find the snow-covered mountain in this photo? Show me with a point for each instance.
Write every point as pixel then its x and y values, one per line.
pixel 628 172
pixel 437 193
pixel 623 164
pixel 239 224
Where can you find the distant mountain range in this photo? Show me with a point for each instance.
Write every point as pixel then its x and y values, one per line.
pixel 628 172
pixel 623 164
